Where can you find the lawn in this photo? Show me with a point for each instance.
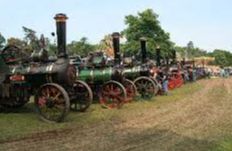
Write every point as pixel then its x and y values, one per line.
pixel 24 122
pixel 195 117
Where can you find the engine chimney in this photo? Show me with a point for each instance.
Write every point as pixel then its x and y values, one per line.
pixel 174 56
pixel 116 45
pixel 158 63
pixel 61 34
pixel 143 41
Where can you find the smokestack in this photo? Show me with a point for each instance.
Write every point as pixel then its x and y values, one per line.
pixel 116 45
pixel 174 55
pixel 61 34
pixel 143 41
pixel 158 56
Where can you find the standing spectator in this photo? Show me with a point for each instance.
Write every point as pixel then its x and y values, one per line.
pixel 165 82
pixel 222 72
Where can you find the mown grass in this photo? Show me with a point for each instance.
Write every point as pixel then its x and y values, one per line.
pixel 24 122
pixel 225 145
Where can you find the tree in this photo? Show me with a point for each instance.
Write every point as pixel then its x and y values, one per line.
pixel 189 52
pixel 146 24
pixel 106 45
pixel 222 57
pixel 2 41
pixel 31 39
pixel 81 47
pixel 16 42
pixel 180 52
pixel 190 45
pixel 51 47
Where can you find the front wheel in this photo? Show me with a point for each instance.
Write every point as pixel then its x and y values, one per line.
pixel 52 103
pixel 112 95
pixel 83 96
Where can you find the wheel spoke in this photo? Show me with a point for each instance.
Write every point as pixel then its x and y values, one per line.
pixel 117 92
pixel 56 97
pixel 47 92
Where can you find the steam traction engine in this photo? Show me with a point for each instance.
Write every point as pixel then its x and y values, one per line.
pixel 142 74
pixel 107 81
pixel 173 71
pixel 51 82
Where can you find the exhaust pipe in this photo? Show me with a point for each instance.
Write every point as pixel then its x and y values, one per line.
pixel 116 45
pixel 143 41
pixel 61 34
pixel 158 63
pixel 174 56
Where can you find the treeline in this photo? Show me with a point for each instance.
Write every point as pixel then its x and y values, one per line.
pixel 144 24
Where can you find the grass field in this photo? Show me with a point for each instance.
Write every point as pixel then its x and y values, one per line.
pixel 194 117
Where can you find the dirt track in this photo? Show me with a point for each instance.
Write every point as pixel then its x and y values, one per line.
pixel 196 123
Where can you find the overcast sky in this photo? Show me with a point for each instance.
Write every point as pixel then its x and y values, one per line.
pixel 208 23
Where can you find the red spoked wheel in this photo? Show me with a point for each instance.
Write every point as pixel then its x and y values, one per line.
pixel 146 87
pixel 112 95
pixel 131 90
pixel 52 103
pixel 83 96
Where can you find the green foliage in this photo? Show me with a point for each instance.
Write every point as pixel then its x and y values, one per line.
pixel 2 41
pixel 52 49
pixel 31 42
pixel 17 42
pixel 106 45
pixel 222 57
pixel 181 51
pixel 106 42
pixel 190 45
pixel 31 39
pixel 81 47
pixel 146 24
pixel 196 52
pixel 189 52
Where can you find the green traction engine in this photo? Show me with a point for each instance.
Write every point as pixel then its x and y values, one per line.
pixel 107 81
pixel 51 82
pixel 141 72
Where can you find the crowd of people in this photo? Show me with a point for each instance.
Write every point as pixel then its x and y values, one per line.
pixel 189 74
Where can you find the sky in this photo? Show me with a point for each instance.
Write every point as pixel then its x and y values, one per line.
pixel 207 23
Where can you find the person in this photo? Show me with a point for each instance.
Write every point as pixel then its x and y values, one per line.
pixel 194 75
pixel 165 82
pixel 222 72
pixel 226 73
pixel 165 85
pixel 186 76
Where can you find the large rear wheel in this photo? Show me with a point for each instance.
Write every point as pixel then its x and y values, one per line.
pixel 52 103
pixel 112 95
pixel 146 87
